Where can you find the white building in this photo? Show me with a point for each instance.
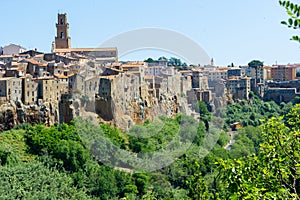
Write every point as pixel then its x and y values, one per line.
pixel 13 49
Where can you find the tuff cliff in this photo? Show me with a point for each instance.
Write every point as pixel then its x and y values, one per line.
pixel 14 113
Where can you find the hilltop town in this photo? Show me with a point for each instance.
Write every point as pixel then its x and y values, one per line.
pixel 38 87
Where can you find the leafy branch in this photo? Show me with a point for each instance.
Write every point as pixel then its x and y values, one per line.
pixel 293 11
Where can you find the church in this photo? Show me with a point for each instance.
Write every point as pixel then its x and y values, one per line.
pixel 62 44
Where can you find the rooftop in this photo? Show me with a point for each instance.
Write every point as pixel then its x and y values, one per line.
pixel 69 50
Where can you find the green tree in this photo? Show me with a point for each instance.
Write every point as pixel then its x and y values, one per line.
pixel 35 181
pixel 205 116
pixel 149 60
pixel 293 11
pixel 197 188
pixel 275 172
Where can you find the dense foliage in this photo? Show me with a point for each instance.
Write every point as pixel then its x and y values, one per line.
pixel 250 113
pixel 66 161
pixel 35 181
pixel 274 173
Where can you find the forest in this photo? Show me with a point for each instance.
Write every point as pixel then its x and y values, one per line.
pixel 77 160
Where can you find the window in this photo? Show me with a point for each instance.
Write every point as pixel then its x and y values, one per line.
pixel 33 93
pixel 61 21
pixel 62 35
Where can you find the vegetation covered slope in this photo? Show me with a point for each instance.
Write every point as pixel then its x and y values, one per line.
pixel 56 162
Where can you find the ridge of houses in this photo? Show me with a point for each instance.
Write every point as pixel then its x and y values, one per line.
pixel 34 77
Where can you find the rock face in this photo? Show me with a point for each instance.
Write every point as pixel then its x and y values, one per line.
pixel 123 101
pixel 126 102
pixel 14 113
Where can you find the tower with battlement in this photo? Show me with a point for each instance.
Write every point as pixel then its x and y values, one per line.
pixel 62 39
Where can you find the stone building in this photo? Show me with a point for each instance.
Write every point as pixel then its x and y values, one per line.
pixel 280 94
pixel 238 87
pixel 76 84
pixel 154 70
pixel 91 87
pixel 10 89
pixel 116 97
pixel 199 80
pixel 150 80
pixel 173 83
pixel 185 84
pixel 216 74
pixel 284 84
pixel 30 90
pixel 6 58
pixel 161 87
pixel 48 89
pixel 235 71
pixel 197 94
pixel 36 69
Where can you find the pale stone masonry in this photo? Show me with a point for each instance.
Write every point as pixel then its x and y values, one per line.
pixel 30 90
pixel 48 89
pixel 10 89
pixel 238 87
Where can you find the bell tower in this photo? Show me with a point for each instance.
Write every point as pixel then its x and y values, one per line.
pixel 62 39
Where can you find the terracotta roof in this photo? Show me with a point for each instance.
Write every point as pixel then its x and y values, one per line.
pixel 114 69
pixel 132 72
pixel 149 77
pixel 130 66
pixel 185 71
pixel 36 62
pixel 83 50
pixel 39 55
pixel 79 55
pixel 6 56
pixel 61 76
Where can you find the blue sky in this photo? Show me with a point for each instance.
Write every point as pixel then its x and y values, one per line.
pixel 235 31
